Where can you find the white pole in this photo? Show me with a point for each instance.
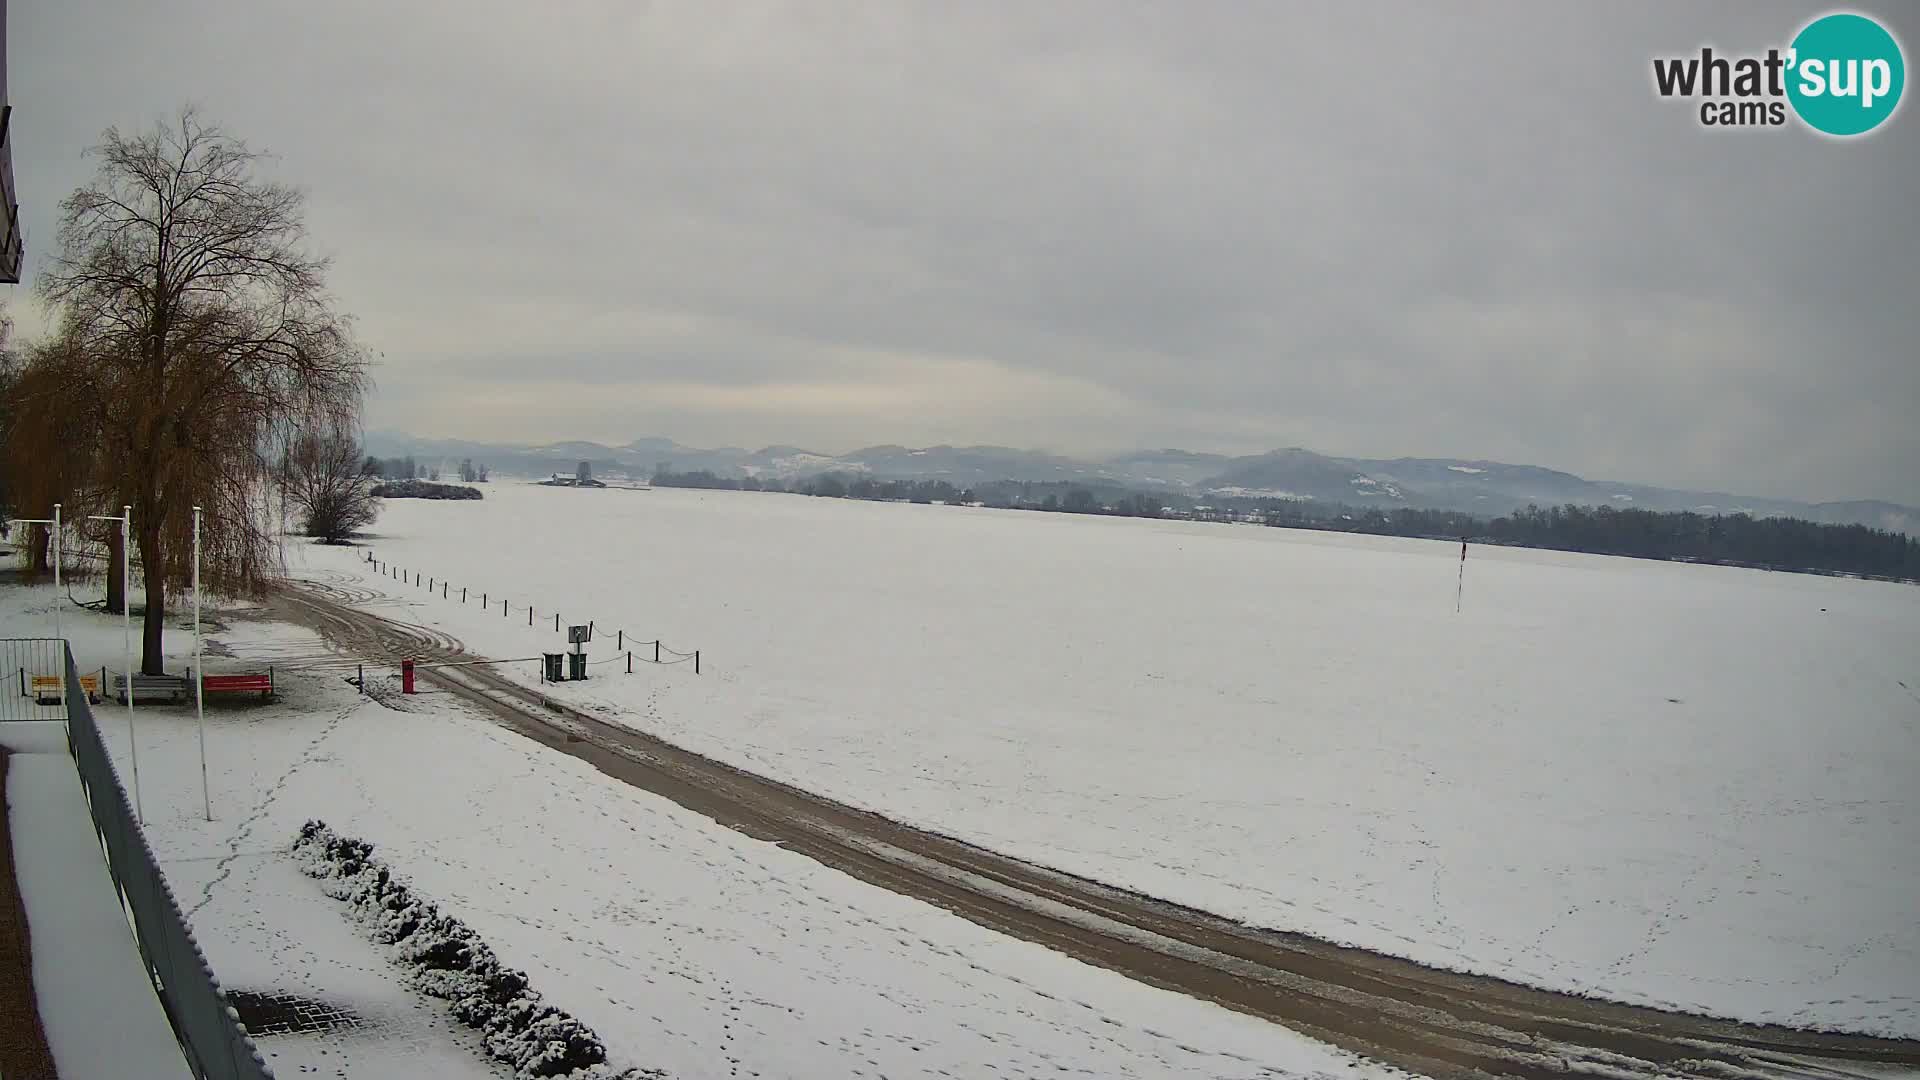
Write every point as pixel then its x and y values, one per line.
pixel 126 637
pixel 61 594
pixel 59 601
pixel 126 640
pixel 199 676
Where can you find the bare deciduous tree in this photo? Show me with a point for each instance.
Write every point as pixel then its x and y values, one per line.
pixel 51 451
pixel 184 276
pixel 325 479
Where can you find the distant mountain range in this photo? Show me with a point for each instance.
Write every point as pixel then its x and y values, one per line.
pixel 1489 488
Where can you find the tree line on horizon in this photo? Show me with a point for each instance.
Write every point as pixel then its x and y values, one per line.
pixel 406 468
pixel 1780 543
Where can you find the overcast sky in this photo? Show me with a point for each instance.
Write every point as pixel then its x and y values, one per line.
pixel 1074 226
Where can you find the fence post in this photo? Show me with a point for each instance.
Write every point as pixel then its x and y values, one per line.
pixel 619 639
pixel 556 621
pixel 696 661
pixel 529 614
pixel 443 590
pixel 629 661
pixel 463 594
pixel 656 650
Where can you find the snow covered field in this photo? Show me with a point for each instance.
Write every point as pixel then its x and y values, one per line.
pixel 689 947
pixel 1678 785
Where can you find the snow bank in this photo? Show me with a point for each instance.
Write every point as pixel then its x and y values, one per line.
pixel 449 961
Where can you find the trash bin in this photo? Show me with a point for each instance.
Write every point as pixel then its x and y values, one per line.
pixel 576 665
pixel 550 666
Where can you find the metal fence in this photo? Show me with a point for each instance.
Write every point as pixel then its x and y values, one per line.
pixel 33 689
pixel 210 1033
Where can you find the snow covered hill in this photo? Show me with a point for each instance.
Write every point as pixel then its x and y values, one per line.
pixel 1481 487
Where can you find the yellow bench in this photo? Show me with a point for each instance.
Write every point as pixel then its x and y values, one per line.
pixel 48 689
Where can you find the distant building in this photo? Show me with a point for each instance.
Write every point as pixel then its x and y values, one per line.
pixel 582 477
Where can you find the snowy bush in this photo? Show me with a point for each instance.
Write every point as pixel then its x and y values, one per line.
pixel 447 960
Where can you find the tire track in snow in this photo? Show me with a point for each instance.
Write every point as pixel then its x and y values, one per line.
pixel 1428 1020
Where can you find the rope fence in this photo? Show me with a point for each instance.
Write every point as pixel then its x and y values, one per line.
pixel 631 651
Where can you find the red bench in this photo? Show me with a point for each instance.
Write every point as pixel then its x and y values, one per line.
pixel 238 684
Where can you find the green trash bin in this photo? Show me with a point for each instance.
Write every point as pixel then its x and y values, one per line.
pixel 550 666
pixel 576 665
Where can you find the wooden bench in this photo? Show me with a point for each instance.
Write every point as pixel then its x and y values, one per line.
pixel 49 690
pixel 239 684
pixel 151 687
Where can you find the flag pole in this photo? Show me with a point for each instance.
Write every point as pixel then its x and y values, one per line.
pixel 56 589
pixel 199 676
pixel 126 641
pixel 59 597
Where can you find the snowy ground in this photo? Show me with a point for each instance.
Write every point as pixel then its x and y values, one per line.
pixel 1678 785
pixel 97 1004
pixel 688 946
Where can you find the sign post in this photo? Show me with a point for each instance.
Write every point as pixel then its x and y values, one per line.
pixel 578 636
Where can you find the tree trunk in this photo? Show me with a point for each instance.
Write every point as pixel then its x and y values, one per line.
pixel 39 548
pixel 116 557
pixel 153 660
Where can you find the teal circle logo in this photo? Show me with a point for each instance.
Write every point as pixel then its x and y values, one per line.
pixel 1845 74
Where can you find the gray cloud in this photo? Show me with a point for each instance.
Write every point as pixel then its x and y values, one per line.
pixel 1078 226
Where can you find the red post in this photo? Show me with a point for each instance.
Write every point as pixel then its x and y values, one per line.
pixel 406 676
